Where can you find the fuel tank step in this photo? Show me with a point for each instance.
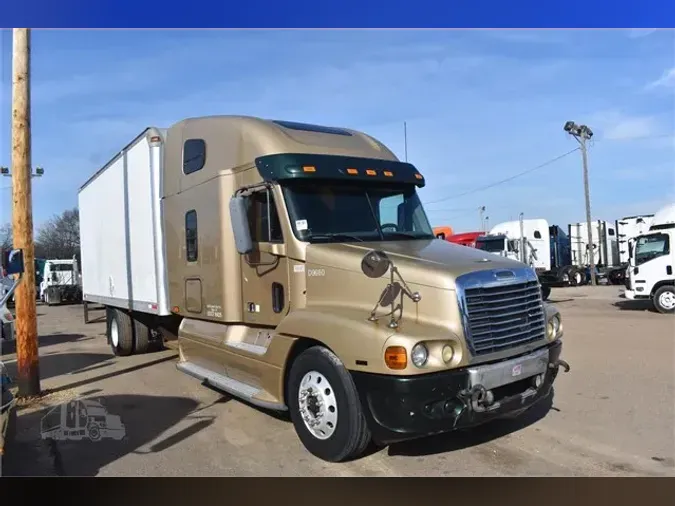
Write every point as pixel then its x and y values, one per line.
pixel 229 385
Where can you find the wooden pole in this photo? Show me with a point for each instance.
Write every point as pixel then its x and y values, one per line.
pixel 28 367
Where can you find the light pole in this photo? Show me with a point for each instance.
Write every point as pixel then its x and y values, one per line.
pixel 39 172
pixel 583 134
pixel 481 210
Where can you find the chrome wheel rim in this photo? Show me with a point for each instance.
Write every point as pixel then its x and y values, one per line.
pixel 318 405
pixel 114 333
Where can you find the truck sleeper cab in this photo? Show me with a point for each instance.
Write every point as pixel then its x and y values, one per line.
pixel 304 276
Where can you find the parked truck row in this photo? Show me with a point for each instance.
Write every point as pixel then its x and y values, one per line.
pixel 562 257
pixel 297 269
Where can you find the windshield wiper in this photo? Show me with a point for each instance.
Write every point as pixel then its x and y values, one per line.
pixel 335 236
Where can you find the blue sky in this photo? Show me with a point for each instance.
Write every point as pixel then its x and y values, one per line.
pixel 480 106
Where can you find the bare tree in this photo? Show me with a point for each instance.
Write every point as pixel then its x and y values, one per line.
pixel 6 238
pixel 59 238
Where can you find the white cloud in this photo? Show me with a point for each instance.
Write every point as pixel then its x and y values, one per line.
pixel 667 80
pixel 638 33
pixel 614 125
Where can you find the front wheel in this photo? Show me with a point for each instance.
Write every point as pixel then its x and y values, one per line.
pixel 664 299
pixel 325 407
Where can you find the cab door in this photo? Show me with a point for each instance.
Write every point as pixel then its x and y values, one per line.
pixel 265 276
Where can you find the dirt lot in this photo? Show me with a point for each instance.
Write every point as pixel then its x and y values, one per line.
pixel 613 414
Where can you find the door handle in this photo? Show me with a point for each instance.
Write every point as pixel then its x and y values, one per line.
pixel 277 297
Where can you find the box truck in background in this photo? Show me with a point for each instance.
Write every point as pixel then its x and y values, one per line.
pixel 652 261
pixel 297 268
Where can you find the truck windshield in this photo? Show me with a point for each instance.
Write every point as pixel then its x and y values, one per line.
pixel 342 212
pixel 649 247
pixel 61 267
pixel 492 245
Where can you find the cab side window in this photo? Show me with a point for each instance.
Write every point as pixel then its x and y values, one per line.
pixel 263 218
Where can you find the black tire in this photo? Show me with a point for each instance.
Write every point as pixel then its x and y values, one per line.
pixel 545 292
pixel 142 336
pixel 667 291
pixel 94 433
pixel 125 333
pixel 352 435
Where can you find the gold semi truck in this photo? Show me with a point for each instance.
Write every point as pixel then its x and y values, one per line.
pixel 297 269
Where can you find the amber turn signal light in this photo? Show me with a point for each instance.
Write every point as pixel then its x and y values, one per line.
pixel 396 357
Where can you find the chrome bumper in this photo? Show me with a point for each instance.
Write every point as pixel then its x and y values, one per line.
pixel 504 373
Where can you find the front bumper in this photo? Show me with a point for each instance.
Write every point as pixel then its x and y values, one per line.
pixel 406 407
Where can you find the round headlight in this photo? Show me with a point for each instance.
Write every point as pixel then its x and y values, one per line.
pixel 556 324
pixel 448 353
pixel 419 355
pixel 553 327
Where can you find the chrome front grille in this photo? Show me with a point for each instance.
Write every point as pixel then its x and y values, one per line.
pixel 501 309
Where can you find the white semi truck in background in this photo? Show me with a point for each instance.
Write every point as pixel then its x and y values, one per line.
pixel 652 259
pixel 61 282
pixel 544 247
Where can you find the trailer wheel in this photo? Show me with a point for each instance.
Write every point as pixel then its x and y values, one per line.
pixel 142 336
pixel 664 299
pixel 325 407
pixel 121 333
pixel 577 278
pixel 545 292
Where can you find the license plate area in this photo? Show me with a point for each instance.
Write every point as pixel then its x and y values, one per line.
pixel 504 373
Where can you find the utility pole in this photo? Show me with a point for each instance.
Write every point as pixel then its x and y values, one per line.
pixel 481 210
pixel 28 367
pixel 583 134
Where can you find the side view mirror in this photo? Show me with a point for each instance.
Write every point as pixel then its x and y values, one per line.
pixel 240 228
pixel 15 262
pixel 14 266
pixel 375 264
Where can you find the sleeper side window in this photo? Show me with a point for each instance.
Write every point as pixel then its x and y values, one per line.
pixel 263 218
pixel 194 155
pixel 191 236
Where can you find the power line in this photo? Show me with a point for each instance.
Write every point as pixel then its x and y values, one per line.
pixel 511 178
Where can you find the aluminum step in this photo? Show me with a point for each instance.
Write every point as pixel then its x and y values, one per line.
pixel 229 385
pixel 254 349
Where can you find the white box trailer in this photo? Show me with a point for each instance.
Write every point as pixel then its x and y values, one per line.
pixel 605 245
pixel 628 228
pixel 121 232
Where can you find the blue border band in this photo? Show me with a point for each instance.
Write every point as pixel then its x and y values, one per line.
pixel 343 14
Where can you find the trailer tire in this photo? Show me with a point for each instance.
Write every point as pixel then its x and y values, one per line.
pixel 664 299
pixel 545 292
pixel 121 333
pixel 346 434
pixel 142 336
pixel 577 278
